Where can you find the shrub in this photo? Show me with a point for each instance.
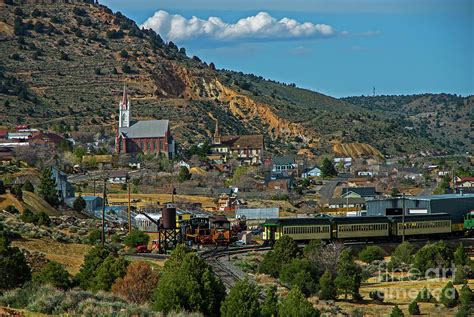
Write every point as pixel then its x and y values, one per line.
pixel 45 300
pixel 413 308
pixel 94 236
pixel 55 274
pixel 12 209
pixel 108 271
pixel 42 219
pixel 64 56
pixel 126 69
pixel 184 174
pixel 296 274
pixel 136 238
pixel 269 307
pixel 370 254
pixel 124 54
pixel 17 192
pixel 449 296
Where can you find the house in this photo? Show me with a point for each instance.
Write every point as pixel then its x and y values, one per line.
pixel 93 203
pixel 359 192
pixel 284 165
pixel 367 173
pixel 64 188
pixel 148 137
pixel 311 172
pixel 46 139
pixel 279 182
pixel 118 177
pixel 345 161
pixel 465 182
pixel 347 203
pixel 247 149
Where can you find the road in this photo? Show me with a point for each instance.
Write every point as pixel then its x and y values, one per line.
pixel 329 186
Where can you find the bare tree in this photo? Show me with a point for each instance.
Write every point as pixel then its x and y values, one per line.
pixel 326 256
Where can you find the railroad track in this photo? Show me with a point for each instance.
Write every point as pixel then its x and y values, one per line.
pixel 227 275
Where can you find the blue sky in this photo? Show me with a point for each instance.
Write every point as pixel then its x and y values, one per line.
pixel 345 48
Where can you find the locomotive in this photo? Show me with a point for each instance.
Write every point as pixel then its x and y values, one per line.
pixel 364 228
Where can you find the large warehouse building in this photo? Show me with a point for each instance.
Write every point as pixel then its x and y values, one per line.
pixel 456 205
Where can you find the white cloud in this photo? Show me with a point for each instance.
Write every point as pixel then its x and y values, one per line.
pixel 263 26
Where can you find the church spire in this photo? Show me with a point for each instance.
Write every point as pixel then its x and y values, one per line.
pixel 124 110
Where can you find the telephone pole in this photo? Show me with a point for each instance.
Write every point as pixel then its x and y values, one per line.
pixel 103 213
pixel 129 208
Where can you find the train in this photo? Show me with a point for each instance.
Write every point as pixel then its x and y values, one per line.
pixel 213 230
pixel 365 228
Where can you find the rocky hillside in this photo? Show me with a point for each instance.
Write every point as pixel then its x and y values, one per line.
pixel 65 65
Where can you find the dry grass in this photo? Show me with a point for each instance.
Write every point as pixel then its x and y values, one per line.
pixel 401 294
pixel 71 255
pixel 30 201
pixel 153 199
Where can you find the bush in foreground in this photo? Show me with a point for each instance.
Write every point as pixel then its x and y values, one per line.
pixel 138 283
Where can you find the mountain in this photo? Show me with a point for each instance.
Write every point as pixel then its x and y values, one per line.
pixel 66 62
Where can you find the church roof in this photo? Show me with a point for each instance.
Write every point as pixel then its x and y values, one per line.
pixel 146 129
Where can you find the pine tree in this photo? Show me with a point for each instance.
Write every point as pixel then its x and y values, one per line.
pixel 460 256
pixel 413 308
pixel 348 275
pixel 269 306
pixel 242 301
pixel 327 168
pixel 28 187
pixel 14 270
pixel 47 188
pixel 396 312
pixel 296 305
pixel 79 204
pixel 424 296
pixel 449 296
pixel 327 288
pixel 459 275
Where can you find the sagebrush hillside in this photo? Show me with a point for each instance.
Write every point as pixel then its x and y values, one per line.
pixel 64 67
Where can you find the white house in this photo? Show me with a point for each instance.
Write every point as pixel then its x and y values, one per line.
pixel 312 172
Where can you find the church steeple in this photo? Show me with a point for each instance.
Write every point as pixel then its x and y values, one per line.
pixel 124 110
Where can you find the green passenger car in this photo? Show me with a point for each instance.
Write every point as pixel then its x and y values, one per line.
pixel 469 222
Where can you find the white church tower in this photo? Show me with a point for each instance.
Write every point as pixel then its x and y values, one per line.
pixel 124 110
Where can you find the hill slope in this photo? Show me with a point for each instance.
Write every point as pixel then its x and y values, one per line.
pixel 67 65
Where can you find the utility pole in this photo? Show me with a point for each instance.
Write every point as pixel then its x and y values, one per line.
pixel 129 208
pixel 403 217
pixel 103 213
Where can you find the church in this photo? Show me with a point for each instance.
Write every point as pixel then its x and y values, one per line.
pixel 147 137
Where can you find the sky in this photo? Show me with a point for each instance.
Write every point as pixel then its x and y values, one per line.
pixel 336 47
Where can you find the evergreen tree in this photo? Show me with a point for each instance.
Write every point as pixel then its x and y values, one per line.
pixel 403 255
pixel 14 270
pixel 190 285
pixel 327 288
pixel 424 295
pixel 269 306
pixel 460 256
pixel 396 312
pixel 449 295
pixel 459 275
pixel 136 238
pixel 466 298
pixel 348 277
pixel 297 273
pixel 296 305
pixel 284 250
pixel 184 174
pixel 47 188
pixel 28 187
pixel 55 274
pixel 371 253
pixel 92 262
pixel 108 271
pixel 242 301
pixel 413 308
pixel 433 255
pixel 79 204
pixel 327 168
pixel 17 192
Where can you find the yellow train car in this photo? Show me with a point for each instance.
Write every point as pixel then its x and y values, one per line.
pixel 297 228
pixel 360 227
pixel 416 225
